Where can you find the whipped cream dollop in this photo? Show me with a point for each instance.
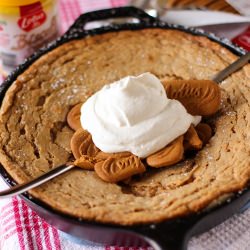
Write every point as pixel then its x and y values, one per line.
pixel 135 115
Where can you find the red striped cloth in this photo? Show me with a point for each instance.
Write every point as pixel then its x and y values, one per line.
pixel 21 228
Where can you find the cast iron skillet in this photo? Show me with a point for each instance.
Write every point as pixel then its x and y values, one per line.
pixel 172 234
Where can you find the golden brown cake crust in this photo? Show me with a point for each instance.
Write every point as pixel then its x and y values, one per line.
pixel 35 137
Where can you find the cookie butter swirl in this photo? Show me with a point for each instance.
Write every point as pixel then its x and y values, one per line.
pixel 135 115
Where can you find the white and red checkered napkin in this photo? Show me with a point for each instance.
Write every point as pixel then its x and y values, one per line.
pixel 21 228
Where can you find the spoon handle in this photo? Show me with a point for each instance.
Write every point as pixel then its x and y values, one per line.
pixel 18 189
pixel 231 68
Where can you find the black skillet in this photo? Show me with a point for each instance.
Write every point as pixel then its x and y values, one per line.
pixel 172 234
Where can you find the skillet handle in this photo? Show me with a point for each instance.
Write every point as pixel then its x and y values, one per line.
pixel 167 236
pixel 79 25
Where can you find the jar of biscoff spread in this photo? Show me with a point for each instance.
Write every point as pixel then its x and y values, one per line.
pixel 25 26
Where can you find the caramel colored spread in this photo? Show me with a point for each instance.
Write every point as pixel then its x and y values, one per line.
pixel 35 136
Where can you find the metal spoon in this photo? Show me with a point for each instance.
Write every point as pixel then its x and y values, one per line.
pixel 20 188
pixel 155 8
pixel 220 76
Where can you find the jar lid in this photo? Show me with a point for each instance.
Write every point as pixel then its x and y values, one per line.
pixel 16 3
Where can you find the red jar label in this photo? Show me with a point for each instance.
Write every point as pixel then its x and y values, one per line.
pixel 32 16
pixel 243 39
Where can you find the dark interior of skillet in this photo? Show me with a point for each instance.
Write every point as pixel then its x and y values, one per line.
pixel 172 234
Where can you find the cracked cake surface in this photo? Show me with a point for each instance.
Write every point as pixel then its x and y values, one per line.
pixel 35 136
